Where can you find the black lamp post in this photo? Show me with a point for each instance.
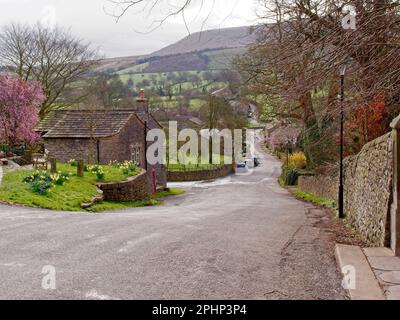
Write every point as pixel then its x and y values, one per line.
pixel 341 185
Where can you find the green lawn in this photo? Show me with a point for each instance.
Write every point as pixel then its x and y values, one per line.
pixel 155 200
pixel 73 193
pixel 192 165
pixel 68 197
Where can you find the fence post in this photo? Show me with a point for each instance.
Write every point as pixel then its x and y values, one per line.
pixel 53 165
pixel 79 172
pixel 395 207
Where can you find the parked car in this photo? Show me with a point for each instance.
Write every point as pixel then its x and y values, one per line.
pixel 250 163
pixel 253 162
pixel 242 168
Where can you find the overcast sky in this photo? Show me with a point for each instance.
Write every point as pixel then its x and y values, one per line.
pixel 89 20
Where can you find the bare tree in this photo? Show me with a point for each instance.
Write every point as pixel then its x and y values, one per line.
pixel 52 57
pixel 297 57
pixel 163 10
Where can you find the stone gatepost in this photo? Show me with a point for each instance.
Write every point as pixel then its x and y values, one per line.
pixel 395 208
pixel 79 169
pixel 53 165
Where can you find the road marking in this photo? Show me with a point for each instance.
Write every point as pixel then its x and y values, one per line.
pixel 131 244
pixel 13 264
pixel 93 294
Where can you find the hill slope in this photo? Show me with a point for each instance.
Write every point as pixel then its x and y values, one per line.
pixel 190 53
pixel 210 40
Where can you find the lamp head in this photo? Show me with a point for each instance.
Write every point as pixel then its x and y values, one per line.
pixel 342 70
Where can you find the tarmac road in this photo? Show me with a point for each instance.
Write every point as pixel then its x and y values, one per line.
pixel 242 237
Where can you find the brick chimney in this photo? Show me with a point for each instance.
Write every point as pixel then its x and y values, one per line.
pixel 143 102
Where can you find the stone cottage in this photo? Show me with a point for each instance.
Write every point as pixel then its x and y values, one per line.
pixel 100 136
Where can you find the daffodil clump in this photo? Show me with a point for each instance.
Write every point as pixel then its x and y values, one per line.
pixel 127 167
pixel 73 163
pixel 41 181
pixel 98 171
pixel 100 174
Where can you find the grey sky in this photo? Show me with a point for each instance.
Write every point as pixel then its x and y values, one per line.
pixel 130 36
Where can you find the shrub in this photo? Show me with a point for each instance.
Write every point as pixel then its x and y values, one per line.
pixel 60 178
pixel 40 182
pixel 114 164
pixel 128 167
pixel 73 163
pixel 41 186
pixel 37 175
pixel 100 174
pixel 94 168
pixel 289 176
pixel 298 160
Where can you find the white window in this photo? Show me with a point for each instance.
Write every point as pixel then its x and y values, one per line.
pixel 136 154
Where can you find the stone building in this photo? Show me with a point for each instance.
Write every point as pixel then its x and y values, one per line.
pixel 100 136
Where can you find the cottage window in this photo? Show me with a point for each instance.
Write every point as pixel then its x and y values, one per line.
pixel 135 155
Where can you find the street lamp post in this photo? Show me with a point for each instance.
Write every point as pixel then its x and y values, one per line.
pixel 341 185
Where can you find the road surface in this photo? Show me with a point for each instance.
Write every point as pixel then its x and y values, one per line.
pixel 242 237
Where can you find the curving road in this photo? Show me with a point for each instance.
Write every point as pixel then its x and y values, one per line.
pixel 242 237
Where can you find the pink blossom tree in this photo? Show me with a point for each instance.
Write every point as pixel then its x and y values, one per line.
pixel 19 108
pixel 283 136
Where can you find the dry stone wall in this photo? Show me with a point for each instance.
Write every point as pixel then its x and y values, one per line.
pixel 368 189
pixel 134 189
pixel 199 175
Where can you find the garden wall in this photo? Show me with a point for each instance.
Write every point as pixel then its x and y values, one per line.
pixel 134 189
pixel 326 186
pixel 368 189
pixel 199 175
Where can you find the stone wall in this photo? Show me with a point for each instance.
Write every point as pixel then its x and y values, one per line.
pixel 368 189
pixel 116 148
pixel 119 147
pixel 199 175
pixel 66 149
pixel 326 186
pixel 134 189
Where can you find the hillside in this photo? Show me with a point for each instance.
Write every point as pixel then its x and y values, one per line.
pixel 207 50
pixel 210 40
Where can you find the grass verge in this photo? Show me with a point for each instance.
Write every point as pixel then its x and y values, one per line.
pixel 326 202
pixel 154 201
pixel 67 197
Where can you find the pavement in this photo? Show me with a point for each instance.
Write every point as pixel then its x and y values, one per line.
pixel 372 273
pixel 242 237
pixel 386 268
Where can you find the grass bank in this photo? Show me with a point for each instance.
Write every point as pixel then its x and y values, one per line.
pixel 70 195
pixel 155 200
pixel 326 202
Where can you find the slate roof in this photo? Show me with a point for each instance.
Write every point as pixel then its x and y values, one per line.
pixel 77 124
pixel 152 122
pixel 50 120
